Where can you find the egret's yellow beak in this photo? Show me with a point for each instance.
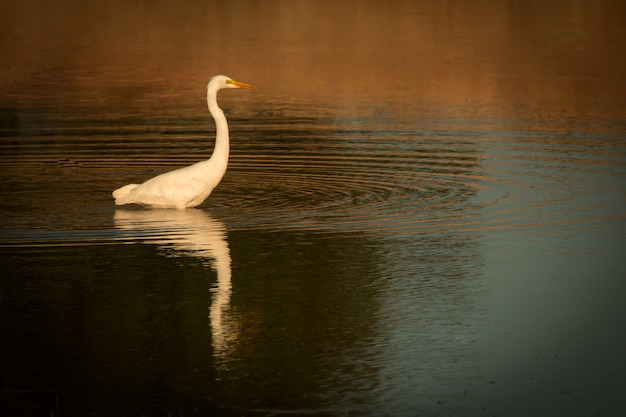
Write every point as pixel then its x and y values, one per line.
pixel 239 84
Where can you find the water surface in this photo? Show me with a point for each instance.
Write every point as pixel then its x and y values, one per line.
pixel 423 212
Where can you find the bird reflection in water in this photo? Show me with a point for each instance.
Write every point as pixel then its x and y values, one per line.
pixel 190 233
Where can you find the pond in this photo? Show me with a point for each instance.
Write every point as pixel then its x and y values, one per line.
pixel 424 211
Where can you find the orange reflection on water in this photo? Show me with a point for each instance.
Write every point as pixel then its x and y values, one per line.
pixel 501 56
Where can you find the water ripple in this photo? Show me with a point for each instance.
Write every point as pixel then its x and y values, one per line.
pixel 328 179
pixel 424 186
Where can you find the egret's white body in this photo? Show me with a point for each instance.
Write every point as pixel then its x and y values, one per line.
pixel 189 186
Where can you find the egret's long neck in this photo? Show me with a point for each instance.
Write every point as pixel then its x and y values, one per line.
pixel 220 152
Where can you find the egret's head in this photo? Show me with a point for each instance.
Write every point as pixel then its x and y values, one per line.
pixel 222 81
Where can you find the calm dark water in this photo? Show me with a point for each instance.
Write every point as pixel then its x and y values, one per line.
pixel 424 212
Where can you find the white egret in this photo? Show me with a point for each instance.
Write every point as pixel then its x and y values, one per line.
pixel 191 185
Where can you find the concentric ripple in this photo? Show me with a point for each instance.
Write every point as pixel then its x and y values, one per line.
pixel 411 183
pixel 322 176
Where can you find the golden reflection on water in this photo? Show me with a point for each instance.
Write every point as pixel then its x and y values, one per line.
pixel 561 58
pixel 420 164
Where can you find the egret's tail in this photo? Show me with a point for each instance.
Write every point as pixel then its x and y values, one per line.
pixel 122 192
